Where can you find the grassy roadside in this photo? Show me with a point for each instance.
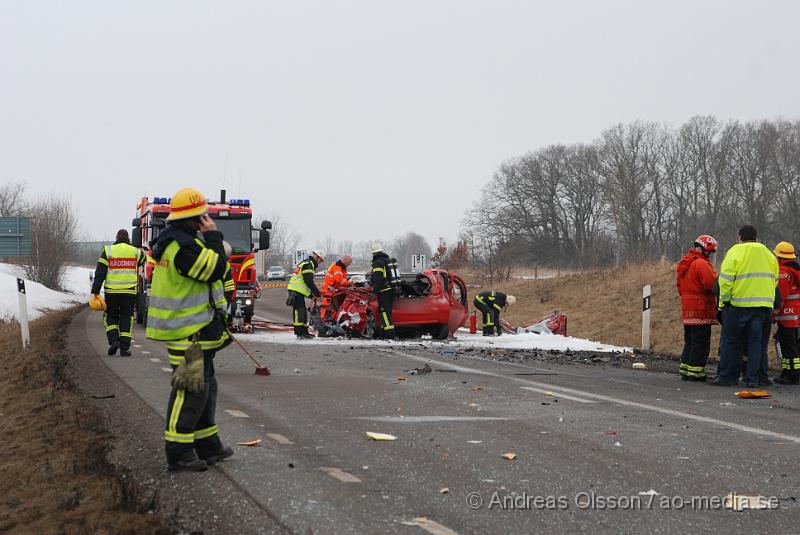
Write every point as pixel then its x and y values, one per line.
pixel 56 476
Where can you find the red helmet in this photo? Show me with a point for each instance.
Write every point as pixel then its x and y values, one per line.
pixel 706 242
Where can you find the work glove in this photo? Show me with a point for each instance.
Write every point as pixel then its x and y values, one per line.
pixel 189 375
pixel 719 316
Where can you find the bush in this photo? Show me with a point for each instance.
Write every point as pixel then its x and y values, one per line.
pixel 53 235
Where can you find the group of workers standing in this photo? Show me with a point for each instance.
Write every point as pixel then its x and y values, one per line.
pixel 755 288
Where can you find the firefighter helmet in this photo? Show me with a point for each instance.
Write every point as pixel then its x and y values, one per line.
pixel 96 302
pixel 319 253
pixel 377 248
pixel 785 250
pixel 511 300
pixel 706 243
pixel 187 203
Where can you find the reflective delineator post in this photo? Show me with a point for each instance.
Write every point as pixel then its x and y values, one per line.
pixel 646 318
pixel 23 315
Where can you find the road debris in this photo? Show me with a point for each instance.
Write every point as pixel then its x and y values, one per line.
pixel 739 502
pixel 474 441
pixel 753 394
pixel 401 378
pixel 380 436
pixel 421 371
pixel 102 396
pixel 297 370
pixel 477 388
pixel 252 443
pixel 639 366
pixel 509 456
pixel 444 490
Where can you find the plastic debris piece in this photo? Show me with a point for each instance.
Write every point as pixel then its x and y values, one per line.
pixel 509 456
pixel 474 441
pixel 380 436
pixel 252 443
pixel 650 492
pixel 639 366
pixel 683 458
pixel 739 502
pixel 401 378
pixel 617 444
pixel 298 370
pixel 477 388
pixel 444 490
pixel 365 467
pixel 753 394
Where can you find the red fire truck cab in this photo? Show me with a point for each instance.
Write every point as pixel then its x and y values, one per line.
pixel 234 220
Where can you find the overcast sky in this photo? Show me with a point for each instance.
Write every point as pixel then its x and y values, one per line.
pixel 358 119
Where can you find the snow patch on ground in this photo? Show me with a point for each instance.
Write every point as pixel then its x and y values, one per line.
pixel 40 298
pixel 549 342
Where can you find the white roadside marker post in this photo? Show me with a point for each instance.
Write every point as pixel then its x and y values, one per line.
pixel 646 318
pixel 23 314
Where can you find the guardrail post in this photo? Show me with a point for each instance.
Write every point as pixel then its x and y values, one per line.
pixel 23 315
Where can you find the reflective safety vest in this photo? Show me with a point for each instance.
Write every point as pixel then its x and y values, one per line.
pixel 297 283
pixel 122 260
pixel 180 306
pixel 748 276
pixel 789 286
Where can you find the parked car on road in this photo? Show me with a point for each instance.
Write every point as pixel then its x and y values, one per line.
pixel 276 273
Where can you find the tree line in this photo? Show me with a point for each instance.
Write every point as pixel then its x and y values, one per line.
pixel 640 192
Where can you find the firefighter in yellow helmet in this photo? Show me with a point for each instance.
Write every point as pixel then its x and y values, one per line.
pixel 187 309
pixel 118 269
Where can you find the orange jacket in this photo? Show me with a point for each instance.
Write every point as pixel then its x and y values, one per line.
pixel 335 277
pixel 695 282
pixel 789 287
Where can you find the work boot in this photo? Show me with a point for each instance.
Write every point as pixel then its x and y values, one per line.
pixel 788 380
pixel 112 349
pixel 488 331
pixel 222 454
pixel 188 465
pixel 305 336
pixel 125 352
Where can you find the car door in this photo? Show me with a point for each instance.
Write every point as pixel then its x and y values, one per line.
pixel 458 303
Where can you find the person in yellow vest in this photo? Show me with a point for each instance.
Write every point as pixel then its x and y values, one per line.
pixel 118 267
pixel 748 278
pixel 187 309
pixel 302 286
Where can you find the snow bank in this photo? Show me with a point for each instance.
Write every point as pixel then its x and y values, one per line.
pixel 549 342
pixel 40 298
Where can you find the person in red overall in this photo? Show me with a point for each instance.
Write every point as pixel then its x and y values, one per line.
pixel 695 281
pixel 788 315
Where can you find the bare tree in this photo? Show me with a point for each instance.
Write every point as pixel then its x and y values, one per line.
pixel 53 232
pixel 12 200
pixel 283 241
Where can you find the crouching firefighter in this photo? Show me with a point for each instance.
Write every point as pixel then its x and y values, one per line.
pixel 491 304
pixel 187 310
pixel 118 267
pixel 301 286
pixel 788 315
pixel 385 282
pixel 335 278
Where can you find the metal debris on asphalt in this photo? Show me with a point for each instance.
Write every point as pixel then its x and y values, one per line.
pixel 509 456
pixel 380 436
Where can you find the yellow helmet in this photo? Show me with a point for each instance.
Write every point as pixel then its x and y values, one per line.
pixel 187 203
pixel 784 250
pixel 96 302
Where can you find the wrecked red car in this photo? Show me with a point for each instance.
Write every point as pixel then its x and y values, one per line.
pixel 433 302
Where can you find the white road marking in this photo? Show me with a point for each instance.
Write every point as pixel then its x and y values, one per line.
pixel 145 352
pixel 557 395
pixel 280 439
pixel 166 370
pixel 155 360
pixel 644 406
pixel 344 477
pixel 422 419
pixel 236 413
pixel 431 526
pixel 137 346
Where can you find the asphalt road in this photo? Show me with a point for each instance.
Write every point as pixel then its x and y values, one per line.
pixel 598 449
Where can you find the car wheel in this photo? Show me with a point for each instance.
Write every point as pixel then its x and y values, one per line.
pixel 440 332
pixel 370 327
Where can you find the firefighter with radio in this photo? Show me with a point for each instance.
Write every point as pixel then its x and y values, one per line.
pixel 491 304
pixel 788 315
pixel 187 309
pixel 302 286
pixel 335 278
pixel 117 267
pixel 385 283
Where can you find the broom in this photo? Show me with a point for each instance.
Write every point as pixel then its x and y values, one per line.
pixel 260 368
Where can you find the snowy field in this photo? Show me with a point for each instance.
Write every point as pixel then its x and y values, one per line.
pixel 40 298
pixel 549 342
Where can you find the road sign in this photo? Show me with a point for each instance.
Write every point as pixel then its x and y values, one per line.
pixel 646 318
pixel 300 255
pixel 418 263
pixel 15 236
pixel 23 315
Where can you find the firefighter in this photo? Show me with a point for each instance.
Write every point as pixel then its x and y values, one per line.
pixel 695 281
pixel 384 273
pixel 118 266
pixel 788 316
pixel 301 286
pixel 747 281
pixel 490 304
pixel 335 278
pixel 187 310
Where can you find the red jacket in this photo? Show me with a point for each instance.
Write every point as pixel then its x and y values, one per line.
pixel 335 278
pixel 789 287
pixel 696 278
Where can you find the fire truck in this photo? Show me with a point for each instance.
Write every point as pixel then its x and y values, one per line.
pixel 234 219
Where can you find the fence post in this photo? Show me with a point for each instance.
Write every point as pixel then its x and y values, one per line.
pixel 646 318
pixel 23 315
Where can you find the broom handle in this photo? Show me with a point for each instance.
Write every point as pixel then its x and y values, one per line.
pixel 246 352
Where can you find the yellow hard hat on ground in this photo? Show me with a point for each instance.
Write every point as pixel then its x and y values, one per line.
pixel 784 250
pixel 187 203
pixel 96 302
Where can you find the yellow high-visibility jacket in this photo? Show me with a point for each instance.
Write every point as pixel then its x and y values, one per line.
pixel 748 276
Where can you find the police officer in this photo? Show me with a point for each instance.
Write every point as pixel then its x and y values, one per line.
pixel 301 286
pixel 118 266
pixel 382 270
pixel 490 304
pixel 187 310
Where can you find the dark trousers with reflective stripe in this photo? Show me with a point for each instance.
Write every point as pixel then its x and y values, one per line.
pixel 118 318
pixel 749 326
pixel 191 424
pixel 299 313
pixel 491 316
pixel 696 346
pixel 385 304
pixel 787 339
